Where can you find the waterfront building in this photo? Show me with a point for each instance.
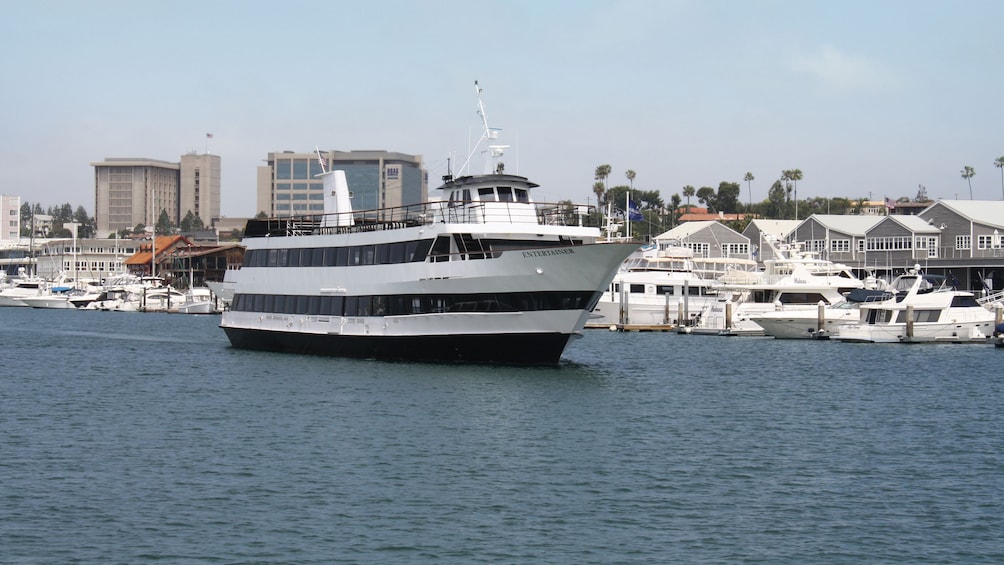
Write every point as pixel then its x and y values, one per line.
pixel 287 184
pixel 130 191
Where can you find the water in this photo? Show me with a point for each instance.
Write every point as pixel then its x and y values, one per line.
pixel 133 438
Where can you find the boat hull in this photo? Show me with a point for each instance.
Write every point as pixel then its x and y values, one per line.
pixel 508 349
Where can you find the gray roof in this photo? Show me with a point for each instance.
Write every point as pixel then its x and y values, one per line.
pixel 849 224
pixel 988 212
pixel 777 228
pixel 687 229
pixel 914 223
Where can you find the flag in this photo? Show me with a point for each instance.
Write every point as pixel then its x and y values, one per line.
pixel 209 136
pixel 890 204
pixel 633 213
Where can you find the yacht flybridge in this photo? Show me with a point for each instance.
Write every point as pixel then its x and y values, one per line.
pixel 484 275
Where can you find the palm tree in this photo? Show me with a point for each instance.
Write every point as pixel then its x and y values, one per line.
pixel 598 191
pixel 999 163
pixel 793 176
pixel 630 176
pixel 967 173
pixel 689 191
pixel 748 178
pixel 602 172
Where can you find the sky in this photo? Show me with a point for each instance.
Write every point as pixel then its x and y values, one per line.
pixel 868 98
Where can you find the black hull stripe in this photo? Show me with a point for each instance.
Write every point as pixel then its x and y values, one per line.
pixel 402 305
pixel 507 349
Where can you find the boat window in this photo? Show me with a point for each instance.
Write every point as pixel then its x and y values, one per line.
pixel 637 289
pixel 522 195
pixel 341 256
pixel 351 305
pixel 505 193
pixel 801 298
pixel 317 257
pixel 665 289
pixel 329 257
pixel 467 195
pixel 486 194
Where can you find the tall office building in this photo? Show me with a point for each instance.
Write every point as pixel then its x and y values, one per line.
pixel 287 185
pixel 131 191
pixel 10 211
pixel 199 190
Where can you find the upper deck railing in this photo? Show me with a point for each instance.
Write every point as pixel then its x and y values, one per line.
pixel 471 212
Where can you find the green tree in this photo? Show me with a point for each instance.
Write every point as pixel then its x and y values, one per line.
pixel 707 196
pixel 728 197
pixel 602 172
pixel 776 201
pixel 968 173
pixel 164 225
pixel 88 227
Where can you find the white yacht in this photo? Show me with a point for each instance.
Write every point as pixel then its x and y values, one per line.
pixel 925 308
pixel 484 275
pixel 655 287
pixel 795 281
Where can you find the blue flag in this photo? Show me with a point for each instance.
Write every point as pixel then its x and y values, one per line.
pixel 633 213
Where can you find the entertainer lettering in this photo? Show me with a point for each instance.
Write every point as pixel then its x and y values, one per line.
pixel 547 252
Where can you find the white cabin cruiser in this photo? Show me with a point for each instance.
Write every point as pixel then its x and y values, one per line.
pixel 925 309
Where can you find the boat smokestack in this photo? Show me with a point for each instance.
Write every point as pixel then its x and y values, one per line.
pixel 337 200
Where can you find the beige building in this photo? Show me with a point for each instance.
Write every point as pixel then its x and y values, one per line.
pixel 131 191
pixel 10 211
pixel 287 185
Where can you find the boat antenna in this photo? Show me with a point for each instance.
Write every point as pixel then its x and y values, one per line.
pixel 320 160
pixel 495 151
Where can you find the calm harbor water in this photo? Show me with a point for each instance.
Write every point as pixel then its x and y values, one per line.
pixel 132 438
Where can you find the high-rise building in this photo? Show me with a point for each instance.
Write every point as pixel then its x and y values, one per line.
pixel 287 185
pixel 199 190
pixel 131 191
pixel 10 211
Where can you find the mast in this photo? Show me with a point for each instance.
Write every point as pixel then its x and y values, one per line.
pixel 494 163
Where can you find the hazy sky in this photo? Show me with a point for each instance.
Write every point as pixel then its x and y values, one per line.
pixel 872 97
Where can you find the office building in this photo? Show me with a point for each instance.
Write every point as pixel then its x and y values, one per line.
pixel 131 191
pixel 287 185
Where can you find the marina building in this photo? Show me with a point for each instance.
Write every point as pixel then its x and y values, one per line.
pixel 287 184
pixel 130 191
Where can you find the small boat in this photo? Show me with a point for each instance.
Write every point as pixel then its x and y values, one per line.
pixel 925 309
pixel 198 301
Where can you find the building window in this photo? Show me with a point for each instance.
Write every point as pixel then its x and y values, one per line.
pixel 282 169
pixel 840 245
pixel 299 169
pixel 963 242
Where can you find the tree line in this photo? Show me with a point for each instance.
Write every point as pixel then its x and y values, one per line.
pixel 64 215
pixel 782 201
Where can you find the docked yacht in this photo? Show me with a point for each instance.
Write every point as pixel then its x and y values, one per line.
pixel 655 287
pixel 796 281
pixel 925 308
pixel 484 275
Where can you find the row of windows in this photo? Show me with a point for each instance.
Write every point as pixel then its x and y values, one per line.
pixel 300 196
pixel 402 305
pixel 386 254
pixel 668 289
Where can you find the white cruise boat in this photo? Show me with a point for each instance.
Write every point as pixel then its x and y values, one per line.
pixel 796 281
pixel 485 275
pixel 655 287
pixel 925 308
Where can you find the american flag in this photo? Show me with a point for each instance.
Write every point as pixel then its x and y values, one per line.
pixel 209 136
